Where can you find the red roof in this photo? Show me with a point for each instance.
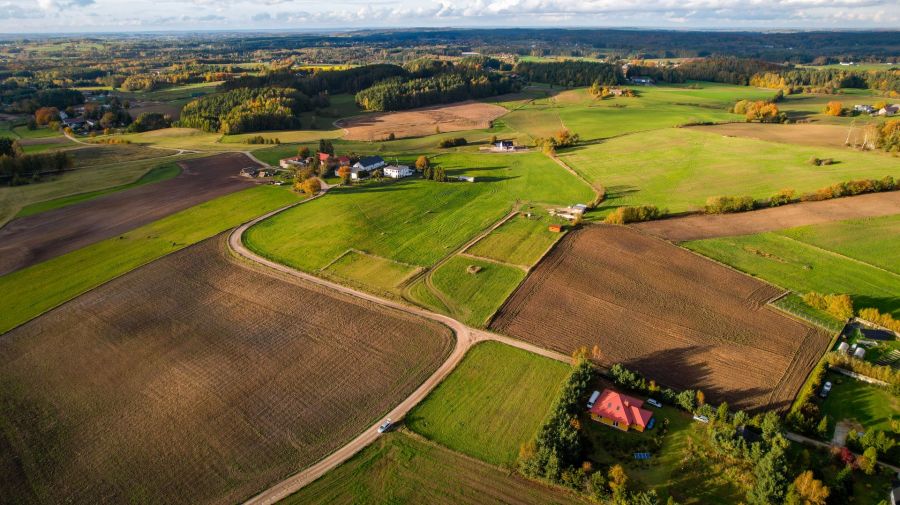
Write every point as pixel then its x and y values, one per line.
pixel 622 408
pixel 344 159
pixel 324 156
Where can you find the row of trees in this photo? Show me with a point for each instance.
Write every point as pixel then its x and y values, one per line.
pixel 400 94
pixel 246 109
pixel 17 168
pixel 839 306
pixel 570 73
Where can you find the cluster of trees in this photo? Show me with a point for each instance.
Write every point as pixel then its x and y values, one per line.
pixel 635 214
pixel 570 73
pixel 562 139
pixel 839 306
pixel 759 110
pixel 851 188
pixel 728 204
pixel 827 80
pixel 246 109
pixel 314 82
pixel 459 141
pixel 400 94
pixel 259 139
pixel 887 135
pixel 689 399
pixel 726 69
pixel 835 108
pixel 59 98
pixel 17 168
pixel 883 373
pixel 436 174
pixel 885 320
pixel 873 443
pixel 148 121
pixel 598 91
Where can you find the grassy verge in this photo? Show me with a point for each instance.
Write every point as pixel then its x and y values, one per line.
pixel 493 402
pixel 27 293
pixel 156 174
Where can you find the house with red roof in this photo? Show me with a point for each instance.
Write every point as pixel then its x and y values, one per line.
pixel 324 157
pixel 621 411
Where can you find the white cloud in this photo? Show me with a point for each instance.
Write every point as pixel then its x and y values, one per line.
pixel 57 5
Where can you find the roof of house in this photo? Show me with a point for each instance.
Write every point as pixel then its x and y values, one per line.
pixel 622 408
pixel 324 156
pixel 368 161
pixel 344 159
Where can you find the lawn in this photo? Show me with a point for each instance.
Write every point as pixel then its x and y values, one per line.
pixel 156 174
pixel 27 293
pixel 472 296
pixel 872 406
pixel 401 468
pixel 855 257
pixel 520 241
pixel 381 274
pixel 493 402
pixel 679 169
pixel 413 221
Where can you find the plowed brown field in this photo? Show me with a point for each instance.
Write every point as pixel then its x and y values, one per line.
pixel 420 122
pixel 683 320
pixel 196 379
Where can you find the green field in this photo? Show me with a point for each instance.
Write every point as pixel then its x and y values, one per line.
pixel 493 402
pixel 520 241
pixel 871 406
pixel 413 221
pixel 856 257
pixel 656 107
pixel 679 169
pixel 380 273
pixel 474 297
pixel 400 468
pixel 156 174
pixel 27 293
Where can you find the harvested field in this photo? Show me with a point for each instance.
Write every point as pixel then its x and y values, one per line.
pixel 823 135
pixel 197 379
pixel 704 226
pixel 39 237
pixel 420 122
pixel 685 321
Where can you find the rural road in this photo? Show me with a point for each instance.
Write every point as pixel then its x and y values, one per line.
pixel 466 337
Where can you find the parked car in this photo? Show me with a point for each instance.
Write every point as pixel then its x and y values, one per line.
pixel 655 403
pixel 825 389
pixel 386 425
pixel 702 419
pixel 593 399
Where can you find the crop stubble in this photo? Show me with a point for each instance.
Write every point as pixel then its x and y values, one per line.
pixel 685 321
pixel 196 379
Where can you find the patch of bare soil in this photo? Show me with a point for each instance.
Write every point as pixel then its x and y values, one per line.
pixel 703 226
pixel 196 380
pixel 469 115
pixel 32 239
pixel 817 135
pixel 683 320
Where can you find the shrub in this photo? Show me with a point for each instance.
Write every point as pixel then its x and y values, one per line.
pixel 636 214
pixel 885 320
pixel 453 142
pixel 821 161
pixel 839 306
pixel 726 204
pixel 851 188
pixel 783 197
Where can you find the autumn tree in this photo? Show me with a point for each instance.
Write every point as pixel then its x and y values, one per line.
pixel 303 152
pixel 807 490
pixel 311 186
pixel 868 461
pixel 701 398
pixel 423 162
pixel 44 115
pixel 344 174
pixel 834 108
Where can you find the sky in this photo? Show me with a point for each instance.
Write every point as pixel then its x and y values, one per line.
pixel 67 16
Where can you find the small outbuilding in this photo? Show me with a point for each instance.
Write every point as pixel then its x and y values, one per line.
pixel 397 172
pixel 843 347
pixel 555 228
pixel 859 353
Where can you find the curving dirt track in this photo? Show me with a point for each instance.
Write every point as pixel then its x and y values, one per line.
pixel 39 237
pixel 701 226
pixel 468 115
pixel 683 320
pixel 199 378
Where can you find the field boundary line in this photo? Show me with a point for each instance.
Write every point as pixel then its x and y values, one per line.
pixel 839 255
pixel 492 260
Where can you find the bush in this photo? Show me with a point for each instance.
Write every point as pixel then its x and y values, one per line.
pixel 636 214
pixel 885 320
pixel 851 188
pixel 839 306
pixel 726 204
pixel 783 197
pixel 453 142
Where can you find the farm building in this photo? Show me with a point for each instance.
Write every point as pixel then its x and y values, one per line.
pixel 369 163
pixel 620 411
pixel 889 110
pixel 865 109
pixel 397 172
pixel 249 172
pixel 842 348
pixel 504 145
pixel 324 157
pixel 293 162
pixel 643 81
pixel 344 161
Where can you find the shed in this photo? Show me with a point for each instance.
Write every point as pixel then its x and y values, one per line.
pixel 859 353
pixel 555 228
pixel 842 348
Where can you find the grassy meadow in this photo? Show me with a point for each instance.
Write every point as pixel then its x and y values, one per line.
pixel 493 402
pixel 856 257
pixel 679 169
pixel 871 406
pixel 520 241
pixel 413 221
pixel 27 293
pixel 402 468
pixel 473 297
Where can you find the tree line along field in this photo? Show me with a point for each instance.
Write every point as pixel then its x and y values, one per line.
pixel 249 377
pixel 856 257
pixel 672 315
pixel 412 221
pixel 679 169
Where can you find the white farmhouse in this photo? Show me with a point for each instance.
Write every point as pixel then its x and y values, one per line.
pixel 397 172
pixel 369 163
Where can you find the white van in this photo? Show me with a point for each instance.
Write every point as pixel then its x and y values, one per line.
pixel 593 399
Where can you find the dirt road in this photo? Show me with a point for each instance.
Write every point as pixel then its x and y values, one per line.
pixel 39 237
pixel 466 337
pixel 703 226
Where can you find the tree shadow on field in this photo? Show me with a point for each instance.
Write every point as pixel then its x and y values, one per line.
pixel 883 304
pixel 679 369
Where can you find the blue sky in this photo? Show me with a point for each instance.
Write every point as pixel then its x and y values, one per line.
pixel 48 16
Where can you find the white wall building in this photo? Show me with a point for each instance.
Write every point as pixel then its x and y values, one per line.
pixel 397 172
